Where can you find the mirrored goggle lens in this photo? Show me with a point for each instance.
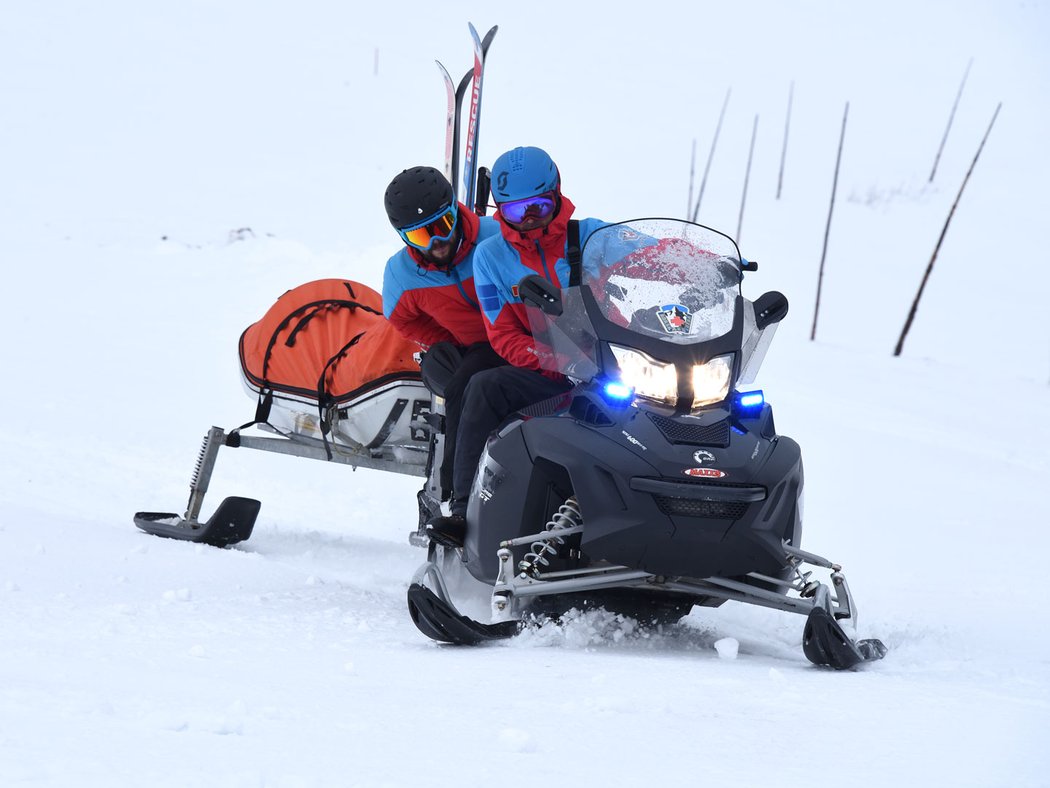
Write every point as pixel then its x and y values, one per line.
pixel 540 206
pixel 438 228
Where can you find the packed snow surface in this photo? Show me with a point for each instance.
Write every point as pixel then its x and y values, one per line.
pixel 170 169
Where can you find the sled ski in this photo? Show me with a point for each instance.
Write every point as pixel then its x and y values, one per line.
pixel 235 517
pixel 232 522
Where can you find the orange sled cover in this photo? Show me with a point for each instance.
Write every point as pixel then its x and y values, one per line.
pixel 328 341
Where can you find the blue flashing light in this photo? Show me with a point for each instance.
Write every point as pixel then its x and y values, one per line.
pixel 750 402
pixel 617 393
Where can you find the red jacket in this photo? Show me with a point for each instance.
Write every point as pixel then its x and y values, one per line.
pixel 429 304
pixel 503 261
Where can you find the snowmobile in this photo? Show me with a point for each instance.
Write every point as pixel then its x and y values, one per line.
pixel 658 481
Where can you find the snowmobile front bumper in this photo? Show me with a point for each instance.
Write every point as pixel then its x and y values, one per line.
pixel 826 641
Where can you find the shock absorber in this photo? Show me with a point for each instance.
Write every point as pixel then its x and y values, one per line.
pixel 202 472
pixel 567 516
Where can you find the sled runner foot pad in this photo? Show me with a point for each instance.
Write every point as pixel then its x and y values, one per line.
pixel 439 621
pixel 825 643
pixel 232 522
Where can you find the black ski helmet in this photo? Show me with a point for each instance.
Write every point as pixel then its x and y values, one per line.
pixel 417 194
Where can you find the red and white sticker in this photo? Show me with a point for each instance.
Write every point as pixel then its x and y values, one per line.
pixel 704 473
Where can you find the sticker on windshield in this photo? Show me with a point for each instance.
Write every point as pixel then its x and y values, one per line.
pixel 675 318
pixel 704 473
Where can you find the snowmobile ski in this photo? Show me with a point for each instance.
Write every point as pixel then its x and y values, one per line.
pixel 439 621
pixel 824 642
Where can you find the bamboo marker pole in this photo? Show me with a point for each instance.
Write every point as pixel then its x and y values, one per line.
pixel 747 177
pixel 944 231
pixel 951 117
pixel 784 150
pixel 827 229
pixel 692 171
pixel 710 156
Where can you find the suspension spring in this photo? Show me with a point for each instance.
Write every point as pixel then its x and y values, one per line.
pixel 205 445
pixel 567 516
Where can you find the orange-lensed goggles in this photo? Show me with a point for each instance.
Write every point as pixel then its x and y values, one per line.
pixel 438 227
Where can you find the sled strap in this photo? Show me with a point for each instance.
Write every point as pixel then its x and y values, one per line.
pixel 313 310
pixel 303 315
pixel 262 416
pixel 388 423
pixel 573 254
pixel 324 399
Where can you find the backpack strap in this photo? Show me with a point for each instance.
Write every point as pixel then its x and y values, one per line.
pixel 573 254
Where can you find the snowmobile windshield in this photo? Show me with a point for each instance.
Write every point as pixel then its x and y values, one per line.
pixel 664 278
pixel 660 278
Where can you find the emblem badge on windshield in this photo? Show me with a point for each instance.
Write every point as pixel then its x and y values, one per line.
pixel 675 318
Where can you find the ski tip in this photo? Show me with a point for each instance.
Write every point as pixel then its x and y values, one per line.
pixel 440 621
pixel 826 644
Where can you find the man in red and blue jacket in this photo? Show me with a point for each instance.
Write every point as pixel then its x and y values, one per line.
pixel 428 290
pixel 533 217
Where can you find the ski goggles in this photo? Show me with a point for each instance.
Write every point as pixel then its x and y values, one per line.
pixel 438 227
pixel 541 206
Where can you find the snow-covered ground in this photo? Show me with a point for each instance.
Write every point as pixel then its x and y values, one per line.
pixel 168 171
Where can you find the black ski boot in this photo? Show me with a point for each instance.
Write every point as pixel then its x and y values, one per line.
pixel 448 531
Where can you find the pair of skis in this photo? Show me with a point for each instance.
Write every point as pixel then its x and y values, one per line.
pixel 472 196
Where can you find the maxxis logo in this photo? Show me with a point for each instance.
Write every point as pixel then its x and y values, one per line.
pixel 704 473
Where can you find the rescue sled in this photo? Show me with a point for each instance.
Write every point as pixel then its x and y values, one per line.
pixel 333 381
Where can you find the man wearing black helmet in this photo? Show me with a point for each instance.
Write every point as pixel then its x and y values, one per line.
pixel 428 290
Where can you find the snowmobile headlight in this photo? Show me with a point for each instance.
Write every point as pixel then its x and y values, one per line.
pixel 711 380
pixel 648 377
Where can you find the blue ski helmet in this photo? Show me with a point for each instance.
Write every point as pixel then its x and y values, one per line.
pixel 521 173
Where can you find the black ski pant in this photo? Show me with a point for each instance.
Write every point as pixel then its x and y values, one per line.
pixel 491 397
pixel 447 369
